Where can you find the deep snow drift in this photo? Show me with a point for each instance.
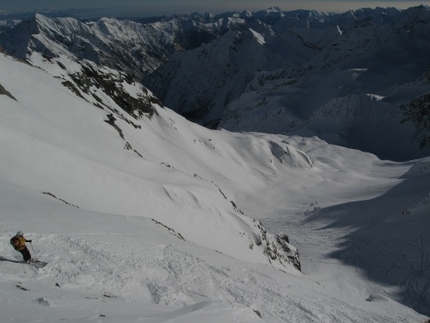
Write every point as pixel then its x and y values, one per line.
pixel 154 223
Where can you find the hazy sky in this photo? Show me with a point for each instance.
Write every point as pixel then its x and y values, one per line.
pixel 167 7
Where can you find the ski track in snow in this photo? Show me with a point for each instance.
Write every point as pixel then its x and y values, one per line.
pixel 172 276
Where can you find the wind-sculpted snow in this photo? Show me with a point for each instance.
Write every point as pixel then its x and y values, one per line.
pixel 136 262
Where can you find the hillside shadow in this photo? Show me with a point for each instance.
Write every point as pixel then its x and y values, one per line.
pixel 390 239
pixel 10 260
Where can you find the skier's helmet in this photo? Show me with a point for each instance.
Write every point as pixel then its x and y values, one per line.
pixel 19 234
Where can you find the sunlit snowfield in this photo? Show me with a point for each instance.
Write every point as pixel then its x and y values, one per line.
pixel 150 234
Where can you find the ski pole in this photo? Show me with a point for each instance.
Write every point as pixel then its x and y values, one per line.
pixel 34 252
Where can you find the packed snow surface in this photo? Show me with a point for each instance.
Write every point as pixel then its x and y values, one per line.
pixel 150 234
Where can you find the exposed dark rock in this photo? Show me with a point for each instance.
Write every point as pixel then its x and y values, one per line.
pixel 3 91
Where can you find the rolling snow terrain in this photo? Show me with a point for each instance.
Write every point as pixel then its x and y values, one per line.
pixel 144 216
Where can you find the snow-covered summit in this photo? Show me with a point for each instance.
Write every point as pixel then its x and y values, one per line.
pixel 124 45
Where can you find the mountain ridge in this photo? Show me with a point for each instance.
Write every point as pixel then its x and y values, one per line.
pixel 138 205
pixel 315 56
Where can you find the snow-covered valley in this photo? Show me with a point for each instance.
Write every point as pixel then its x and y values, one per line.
pixel 150 218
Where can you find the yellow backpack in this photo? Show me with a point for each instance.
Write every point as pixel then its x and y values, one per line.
pixel 14 241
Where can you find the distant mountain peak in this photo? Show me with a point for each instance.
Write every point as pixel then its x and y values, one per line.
pixel 203 65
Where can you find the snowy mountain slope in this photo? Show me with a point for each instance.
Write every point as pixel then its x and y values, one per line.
pixel 269 71
pixel 121 167
pixel 348 94
pixel 225 66
pixel 118 268
pixel 146 226
pixel 8 24
pixel 377 228
pixel 124 45
pixel 135 47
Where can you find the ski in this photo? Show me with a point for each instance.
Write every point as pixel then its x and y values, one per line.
pixel 36 263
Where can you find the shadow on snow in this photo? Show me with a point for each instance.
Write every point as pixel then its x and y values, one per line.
pixel 389 239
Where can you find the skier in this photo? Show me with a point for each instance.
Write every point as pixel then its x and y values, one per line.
pixel 18 242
